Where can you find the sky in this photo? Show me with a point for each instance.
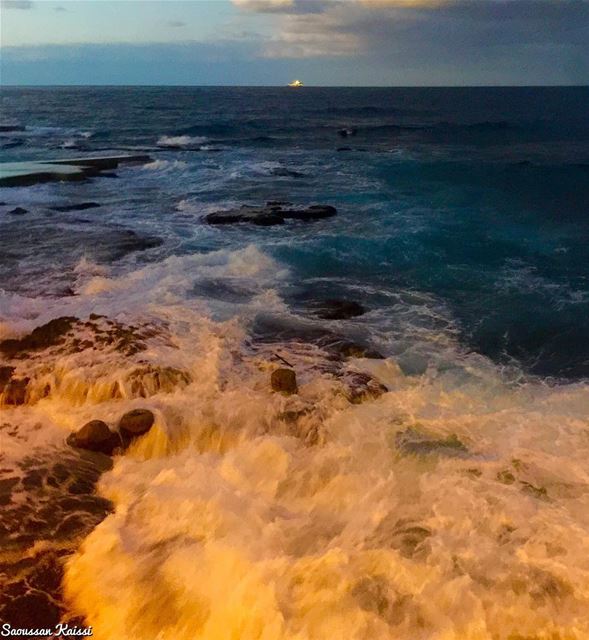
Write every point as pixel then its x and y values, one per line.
pixel 270 42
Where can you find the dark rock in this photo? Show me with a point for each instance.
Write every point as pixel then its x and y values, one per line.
pixel 33 609
pixel 412 441
pixel 284 381
pixel 48 335
pixel 5 376
pixel 277 204
pixel 135 423
pixel 15 392
pixel 273 213
pixel 362 386
pixel 95 436
pixel 340 309
pixel 81 206
pixel 283 172
pixel 18 211
pixel 346 133
pixel 11 144
pixel 8 128
pixel 314 212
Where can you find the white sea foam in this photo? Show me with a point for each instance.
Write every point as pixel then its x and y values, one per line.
pixel 230 523
pixel 181 141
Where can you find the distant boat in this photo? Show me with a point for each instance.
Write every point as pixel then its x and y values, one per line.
pixel 295 83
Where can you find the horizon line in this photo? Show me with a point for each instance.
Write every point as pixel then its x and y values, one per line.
pixel 285 86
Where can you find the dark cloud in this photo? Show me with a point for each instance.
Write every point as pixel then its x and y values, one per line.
pixel 502 40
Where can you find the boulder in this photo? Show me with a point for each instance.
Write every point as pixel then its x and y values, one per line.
pixel 284 381
pixel 340 309
pixel 136 422
pixel 95 436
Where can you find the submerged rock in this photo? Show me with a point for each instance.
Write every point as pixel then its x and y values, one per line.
pixel 136 422
pixel 5 376
pixel 15 391
pixel 362 387
pixel 47 335
pixel 284 381
pixel 95 436
pixel 275 212
pixel 346 133
pixel 81 206
pixel 412 441
pixel 340 309
pixel 283 172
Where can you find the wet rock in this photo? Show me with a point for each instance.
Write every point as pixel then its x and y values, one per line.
pixel 5 376
pixel 31 609
pixel 15 392
pixel 18 211
pixel 362 387
pixel 136 422
pixel 48 335
pixel 273 213
pixel 412 441
pixel 284 381
pixel 340 309
pixel 80 206
pixel 8 128
pixel 95 436
pixel 283 172
pixel 346 133
pixel 149 380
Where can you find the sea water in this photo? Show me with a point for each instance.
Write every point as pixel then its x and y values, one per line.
pixel 453 506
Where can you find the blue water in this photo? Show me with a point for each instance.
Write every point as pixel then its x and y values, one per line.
pixel 463 213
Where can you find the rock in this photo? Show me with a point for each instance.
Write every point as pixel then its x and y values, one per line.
pixel 346 133
pixel 411 441
pixel 362 386
pixel 136 422
pixel 18 211
pixel 95 436
pixel 340 309
pixel 274 212
pixel 283 172
pixel 284 381
pixel 15 392
pixel 5 376
pixel 48 335
pixel 314 212
pixel 81 206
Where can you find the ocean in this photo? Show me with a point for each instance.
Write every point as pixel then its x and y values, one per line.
pixel 430 477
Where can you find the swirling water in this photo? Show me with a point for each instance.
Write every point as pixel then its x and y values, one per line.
pixel 462 227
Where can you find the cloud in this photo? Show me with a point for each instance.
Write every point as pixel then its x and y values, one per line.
pixel 418 30
pixel 16 4
pixel 176 24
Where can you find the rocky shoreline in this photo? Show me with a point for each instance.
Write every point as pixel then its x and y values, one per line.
pixel 58 485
